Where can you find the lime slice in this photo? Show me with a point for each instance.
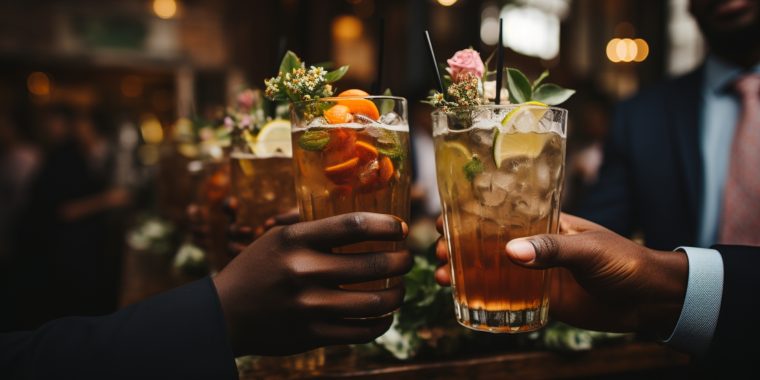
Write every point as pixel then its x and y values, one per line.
pixel 508 145
pixel 274 139
pixel 536 112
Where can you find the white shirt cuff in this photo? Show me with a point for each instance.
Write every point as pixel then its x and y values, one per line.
pixel 701 305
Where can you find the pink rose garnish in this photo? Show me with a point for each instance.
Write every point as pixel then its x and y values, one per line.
pixel 464 62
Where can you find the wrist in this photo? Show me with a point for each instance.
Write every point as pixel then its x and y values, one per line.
pixel 669 277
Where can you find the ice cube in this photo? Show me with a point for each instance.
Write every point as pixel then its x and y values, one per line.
pixel 318 122
pixel 391 118
pixel 504 181
pixel 480 115
pixel 488 194
pixel 525 121
pixel 482 137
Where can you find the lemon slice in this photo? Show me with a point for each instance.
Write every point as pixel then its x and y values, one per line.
pixel 508 145
pixel 536 109
pixel 274 139
pixel 451 159
pixel 454 153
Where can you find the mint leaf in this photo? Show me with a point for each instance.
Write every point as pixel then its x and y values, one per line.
pixel 335 75
pixel 519 86
pixel 552 94
pixel 289 62
pixel 314 140
pixel 540 79
pixel 473 168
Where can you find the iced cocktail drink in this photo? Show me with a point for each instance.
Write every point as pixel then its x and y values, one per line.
pixel 500 173
pixel 262 174
pixel 351 154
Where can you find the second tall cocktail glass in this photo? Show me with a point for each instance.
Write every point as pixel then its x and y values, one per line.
pixel 500 171
pixel 352 154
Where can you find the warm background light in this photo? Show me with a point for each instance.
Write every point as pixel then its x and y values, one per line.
pixel 627 50
pixel 38 83
pixel 447 3
pixel 347 28
pixel 165 9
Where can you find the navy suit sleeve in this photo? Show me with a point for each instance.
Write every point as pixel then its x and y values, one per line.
pixel 609 201
pixel 176 335
pixel 736 335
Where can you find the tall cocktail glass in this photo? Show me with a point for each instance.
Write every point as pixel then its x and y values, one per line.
pixel 500 172
pixel 352 154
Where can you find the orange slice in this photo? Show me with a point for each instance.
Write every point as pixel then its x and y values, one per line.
pixel 342 146
pixel 359 106
pixel 338 114
pixel 386 169
pixel 343 172
pixel 365 151
pixel 353 92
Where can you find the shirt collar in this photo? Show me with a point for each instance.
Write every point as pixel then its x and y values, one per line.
pixel 719 73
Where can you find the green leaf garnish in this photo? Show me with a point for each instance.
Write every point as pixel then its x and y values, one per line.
pixel 314 141
pixel 540 79
pixel 289 62
pixel 552 94
pixel 335 75
pixel 473 168
pixel 519 86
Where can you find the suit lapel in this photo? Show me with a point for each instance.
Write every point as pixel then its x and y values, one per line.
pixel 685 107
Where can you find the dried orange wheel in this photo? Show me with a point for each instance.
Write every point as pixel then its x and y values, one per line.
pixel 365 151
pixel 343 172
pixel 338 114
pixel 386 169
pixel 353 92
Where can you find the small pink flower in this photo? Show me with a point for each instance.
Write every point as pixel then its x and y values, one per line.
pixel 247 99
pixel 229 123
pixel 465 61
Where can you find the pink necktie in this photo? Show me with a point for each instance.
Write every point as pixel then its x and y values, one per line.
pixel 740 223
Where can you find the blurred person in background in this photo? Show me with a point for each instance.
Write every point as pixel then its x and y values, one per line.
pixel 680 161
pixel 67 260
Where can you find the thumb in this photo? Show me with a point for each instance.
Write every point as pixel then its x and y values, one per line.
pixel 547 251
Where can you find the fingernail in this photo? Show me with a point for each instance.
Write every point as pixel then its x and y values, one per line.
pixel 270 222
pixel 404 228
pixel 521 250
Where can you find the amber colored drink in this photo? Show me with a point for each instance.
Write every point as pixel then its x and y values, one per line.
pixel 358 165
pixel 499 181
pixel 263 186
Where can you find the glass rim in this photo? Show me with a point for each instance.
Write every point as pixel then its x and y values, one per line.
pixel 438 111
pixel 339 98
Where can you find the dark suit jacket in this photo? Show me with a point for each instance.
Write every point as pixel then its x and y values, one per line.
pixel 177 335
pixel 651 179
pixel 734 346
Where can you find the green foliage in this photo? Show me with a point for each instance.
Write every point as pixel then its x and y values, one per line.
pixel 520 90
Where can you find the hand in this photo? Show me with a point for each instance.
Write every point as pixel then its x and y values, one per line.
pixel 282 296
pixel 240 236
pixel 611 283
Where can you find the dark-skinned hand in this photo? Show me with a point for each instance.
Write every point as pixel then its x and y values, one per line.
pixel 605 281
pixel 281 295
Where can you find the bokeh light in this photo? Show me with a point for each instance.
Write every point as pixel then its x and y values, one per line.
pixel 627 50
pixel 447 3
pixel 151 130
pixel 347 28
pixel 165 9
pixel 38 83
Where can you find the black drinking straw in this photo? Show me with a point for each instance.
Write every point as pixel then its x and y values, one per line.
pixel 499 64
pixel 434 61
pixel 377 86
